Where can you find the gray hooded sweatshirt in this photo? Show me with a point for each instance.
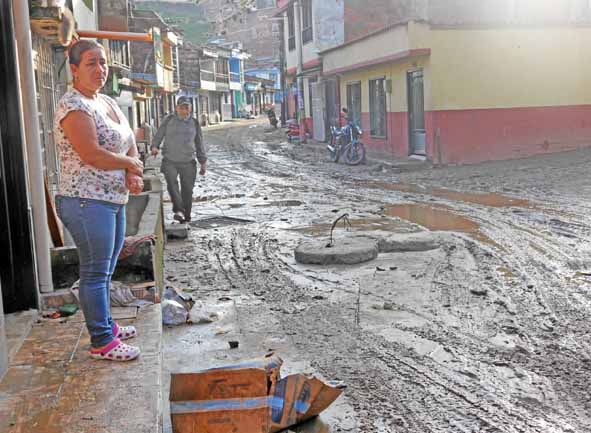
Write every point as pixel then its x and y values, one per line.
pixel 183 139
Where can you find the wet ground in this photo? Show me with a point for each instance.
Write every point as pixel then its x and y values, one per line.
pixel 490 332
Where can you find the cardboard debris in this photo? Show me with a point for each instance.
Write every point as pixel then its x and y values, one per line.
pixel 249 397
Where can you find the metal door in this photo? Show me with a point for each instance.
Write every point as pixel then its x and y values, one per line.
pixel 17 258
pixel 332 102
pixel 318 110
pixel 416 113
pixel 354 101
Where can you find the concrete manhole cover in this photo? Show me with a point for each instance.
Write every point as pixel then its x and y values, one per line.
pixel 343 252
pixel 216 222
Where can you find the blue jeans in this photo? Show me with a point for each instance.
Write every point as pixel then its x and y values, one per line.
pixel 98 230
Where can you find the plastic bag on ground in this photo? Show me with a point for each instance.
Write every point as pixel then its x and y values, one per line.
pixel 200 314
pixel 173 313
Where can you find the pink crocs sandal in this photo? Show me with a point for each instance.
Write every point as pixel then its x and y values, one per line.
pixel 123 332
pixel 116 351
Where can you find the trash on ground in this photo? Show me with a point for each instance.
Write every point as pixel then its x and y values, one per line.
pixel 173 313
pixel 174 294
pixel 132 243
pixel 199 314
pixel 249 397
pixel 67 310
pixel 51 314
pixel 234 344
pixel 121 294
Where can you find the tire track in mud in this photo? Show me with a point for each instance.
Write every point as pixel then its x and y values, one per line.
pixel 392 388
pixel 416 386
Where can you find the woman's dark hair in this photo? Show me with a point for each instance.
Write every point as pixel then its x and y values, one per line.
pixel 80 48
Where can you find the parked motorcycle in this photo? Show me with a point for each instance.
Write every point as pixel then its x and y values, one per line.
pixel 335 147
pixel 346 141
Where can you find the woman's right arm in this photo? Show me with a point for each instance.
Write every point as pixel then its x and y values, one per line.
pixel 80 130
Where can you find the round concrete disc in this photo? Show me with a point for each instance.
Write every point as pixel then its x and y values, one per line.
pixel 406 242
pixel 344 252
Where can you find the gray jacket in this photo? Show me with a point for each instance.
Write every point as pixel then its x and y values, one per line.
pixel 183 139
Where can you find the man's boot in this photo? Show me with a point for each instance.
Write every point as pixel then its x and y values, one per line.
pixel 178 216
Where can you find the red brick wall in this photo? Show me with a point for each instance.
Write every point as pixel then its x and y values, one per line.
pixel 469 136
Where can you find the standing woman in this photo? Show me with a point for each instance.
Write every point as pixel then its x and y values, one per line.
pixel 99 166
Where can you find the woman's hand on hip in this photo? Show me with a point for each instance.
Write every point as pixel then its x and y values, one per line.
pixel 134 183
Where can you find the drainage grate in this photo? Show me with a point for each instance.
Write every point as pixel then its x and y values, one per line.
pixel 218 221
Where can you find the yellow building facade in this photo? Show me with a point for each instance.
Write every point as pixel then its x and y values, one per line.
pixel 468 94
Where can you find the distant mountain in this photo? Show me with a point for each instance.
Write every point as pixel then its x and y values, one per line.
pixel 185 15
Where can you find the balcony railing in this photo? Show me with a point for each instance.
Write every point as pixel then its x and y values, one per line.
pixel 207 76
pixel 222 78
pixel 234 77
pixel 119 54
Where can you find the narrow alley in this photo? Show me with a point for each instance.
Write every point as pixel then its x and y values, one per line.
pixel 482 325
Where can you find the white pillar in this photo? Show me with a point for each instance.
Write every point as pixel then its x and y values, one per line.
pixel 41 234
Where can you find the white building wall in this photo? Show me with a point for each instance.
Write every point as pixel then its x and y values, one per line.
pixel 328 27
pixel 86 18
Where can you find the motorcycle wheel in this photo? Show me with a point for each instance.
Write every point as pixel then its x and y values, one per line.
pixel 334 154
pixel 355 155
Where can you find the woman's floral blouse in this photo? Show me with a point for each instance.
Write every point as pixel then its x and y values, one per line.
pixel 78 179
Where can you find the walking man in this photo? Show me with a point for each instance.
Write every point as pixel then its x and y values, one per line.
pixel 183 141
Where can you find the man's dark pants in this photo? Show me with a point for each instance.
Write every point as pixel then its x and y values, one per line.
pixel 182 199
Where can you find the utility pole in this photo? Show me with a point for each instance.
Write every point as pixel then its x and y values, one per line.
pixel 283 72
pixel 300 69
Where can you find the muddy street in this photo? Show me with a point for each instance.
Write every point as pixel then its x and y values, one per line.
pixel 482 326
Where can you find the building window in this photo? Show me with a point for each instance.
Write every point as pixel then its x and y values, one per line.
pixel 377 107
pixel 291 28
pixel 354 101
pixel 307 32
pixel 221 70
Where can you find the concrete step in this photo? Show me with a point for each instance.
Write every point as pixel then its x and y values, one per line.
pixel 53 386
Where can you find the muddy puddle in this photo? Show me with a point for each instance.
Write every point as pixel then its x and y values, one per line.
pixel 438 219
pixel 488 199
pixel 360 225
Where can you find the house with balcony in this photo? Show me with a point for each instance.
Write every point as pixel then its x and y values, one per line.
pixel 155 66
pixel 238 99
pixel 260 94
pixel 221 99
pixel 273 74
pixel 198 79
pixel 213 76
pixel 317 27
